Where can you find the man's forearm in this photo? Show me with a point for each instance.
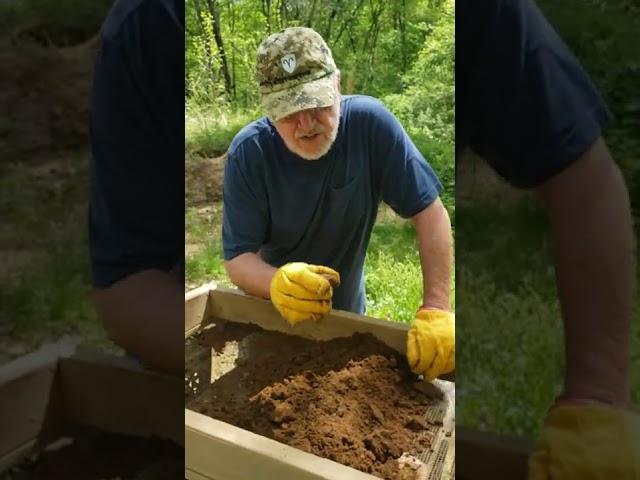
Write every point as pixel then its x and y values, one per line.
pixel 251 274
pixel 435 244
pixel 590 219
pixel 144 314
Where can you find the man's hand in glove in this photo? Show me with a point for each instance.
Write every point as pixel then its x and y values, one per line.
pixel 582 441
pixel 431 343
pixel 300 291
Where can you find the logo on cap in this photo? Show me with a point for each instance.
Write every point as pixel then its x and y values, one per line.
pixel 288 62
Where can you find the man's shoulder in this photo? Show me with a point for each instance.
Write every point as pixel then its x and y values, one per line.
pixel 254 133
pixel 124 12
pixel 362 104
pixel 368 114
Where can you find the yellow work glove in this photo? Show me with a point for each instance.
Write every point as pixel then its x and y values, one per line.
pixel 587 442
pixel 431 343
pixel 300 291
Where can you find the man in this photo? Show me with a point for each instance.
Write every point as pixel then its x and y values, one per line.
pixel 526 106
pixel 136 214
pixel 301 192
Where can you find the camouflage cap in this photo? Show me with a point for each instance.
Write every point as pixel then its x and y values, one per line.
pixel 295 71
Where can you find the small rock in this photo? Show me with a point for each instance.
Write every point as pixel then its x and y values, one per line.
pixel 377 447
pixel 429 389
pixel 416 424
pixel 377 414
pixel 352 382
pixel 283 413
pixel 347 441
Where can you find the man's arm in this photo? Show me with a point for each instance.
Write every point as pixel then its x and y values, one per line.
pixel 251 274
pixel 136 214
pixel 431 338
pixel 589 213
pixel 435 243
pixel 143 314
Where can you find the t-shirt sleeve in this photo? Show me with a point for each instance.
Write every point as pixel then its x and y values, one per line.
pixel 136 211
pixel 533 109
pixel 406 180
pixel 245 213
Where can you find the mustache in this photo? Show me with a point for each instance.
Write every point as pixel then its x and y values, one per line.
pixel 315 131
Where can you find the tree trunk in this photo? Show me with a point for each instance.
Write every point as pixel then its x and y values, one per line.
pixel 217 33
pixel 327 32
pixel 311 14
pixel 403 35
pixel 203 32
pixel 232 18
pixel 347 21
pixel 284 20
pixel 266 10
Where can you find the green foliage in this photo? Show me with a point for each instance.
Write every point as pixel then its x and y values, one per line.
pixel 511 388
pixel 426 105
pixel 62 23
pixel 402 52
pixel 506 281
pixel 58 304
pixel 393 278
pixel 202 67
pixel 440 156
pixel 374 43
pixel 209 131
pixel 45 285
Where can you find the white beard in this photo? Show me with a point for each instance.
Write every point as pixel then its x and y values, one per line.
pixel 323 151
pixel 331 138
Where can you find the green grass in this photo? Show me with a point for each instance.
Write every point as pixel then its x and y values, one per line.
pixel 44 271
pixel 203 230
pixel 209 130
pixel 510 342
pixel 393 278
pixel 46 295
pixel 392 267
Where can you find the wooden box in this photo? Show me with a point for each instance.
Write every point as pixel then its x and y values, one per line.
pixel 61 385
pixel 220 451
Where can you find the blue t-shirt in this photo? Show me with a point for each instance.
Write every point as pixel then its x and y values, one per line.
pixel 322 212
pixel 523 102
pixel 136 211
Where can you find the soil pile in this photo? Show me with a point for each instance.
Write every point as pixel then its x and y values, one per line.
pixel 352 400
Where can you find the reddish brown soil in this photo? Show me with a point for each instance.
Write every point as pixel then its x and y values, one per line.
pixel 96 455
pixel 352 400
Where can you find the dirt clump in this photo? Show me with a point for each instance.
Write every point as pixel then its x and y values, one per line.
pixel 351 400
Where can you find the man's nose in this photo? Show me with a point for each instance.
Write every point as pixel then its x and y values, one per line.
pixel 306 121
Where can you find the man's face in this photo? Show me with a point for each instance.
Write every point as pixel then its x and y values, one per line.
pixel 310 133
